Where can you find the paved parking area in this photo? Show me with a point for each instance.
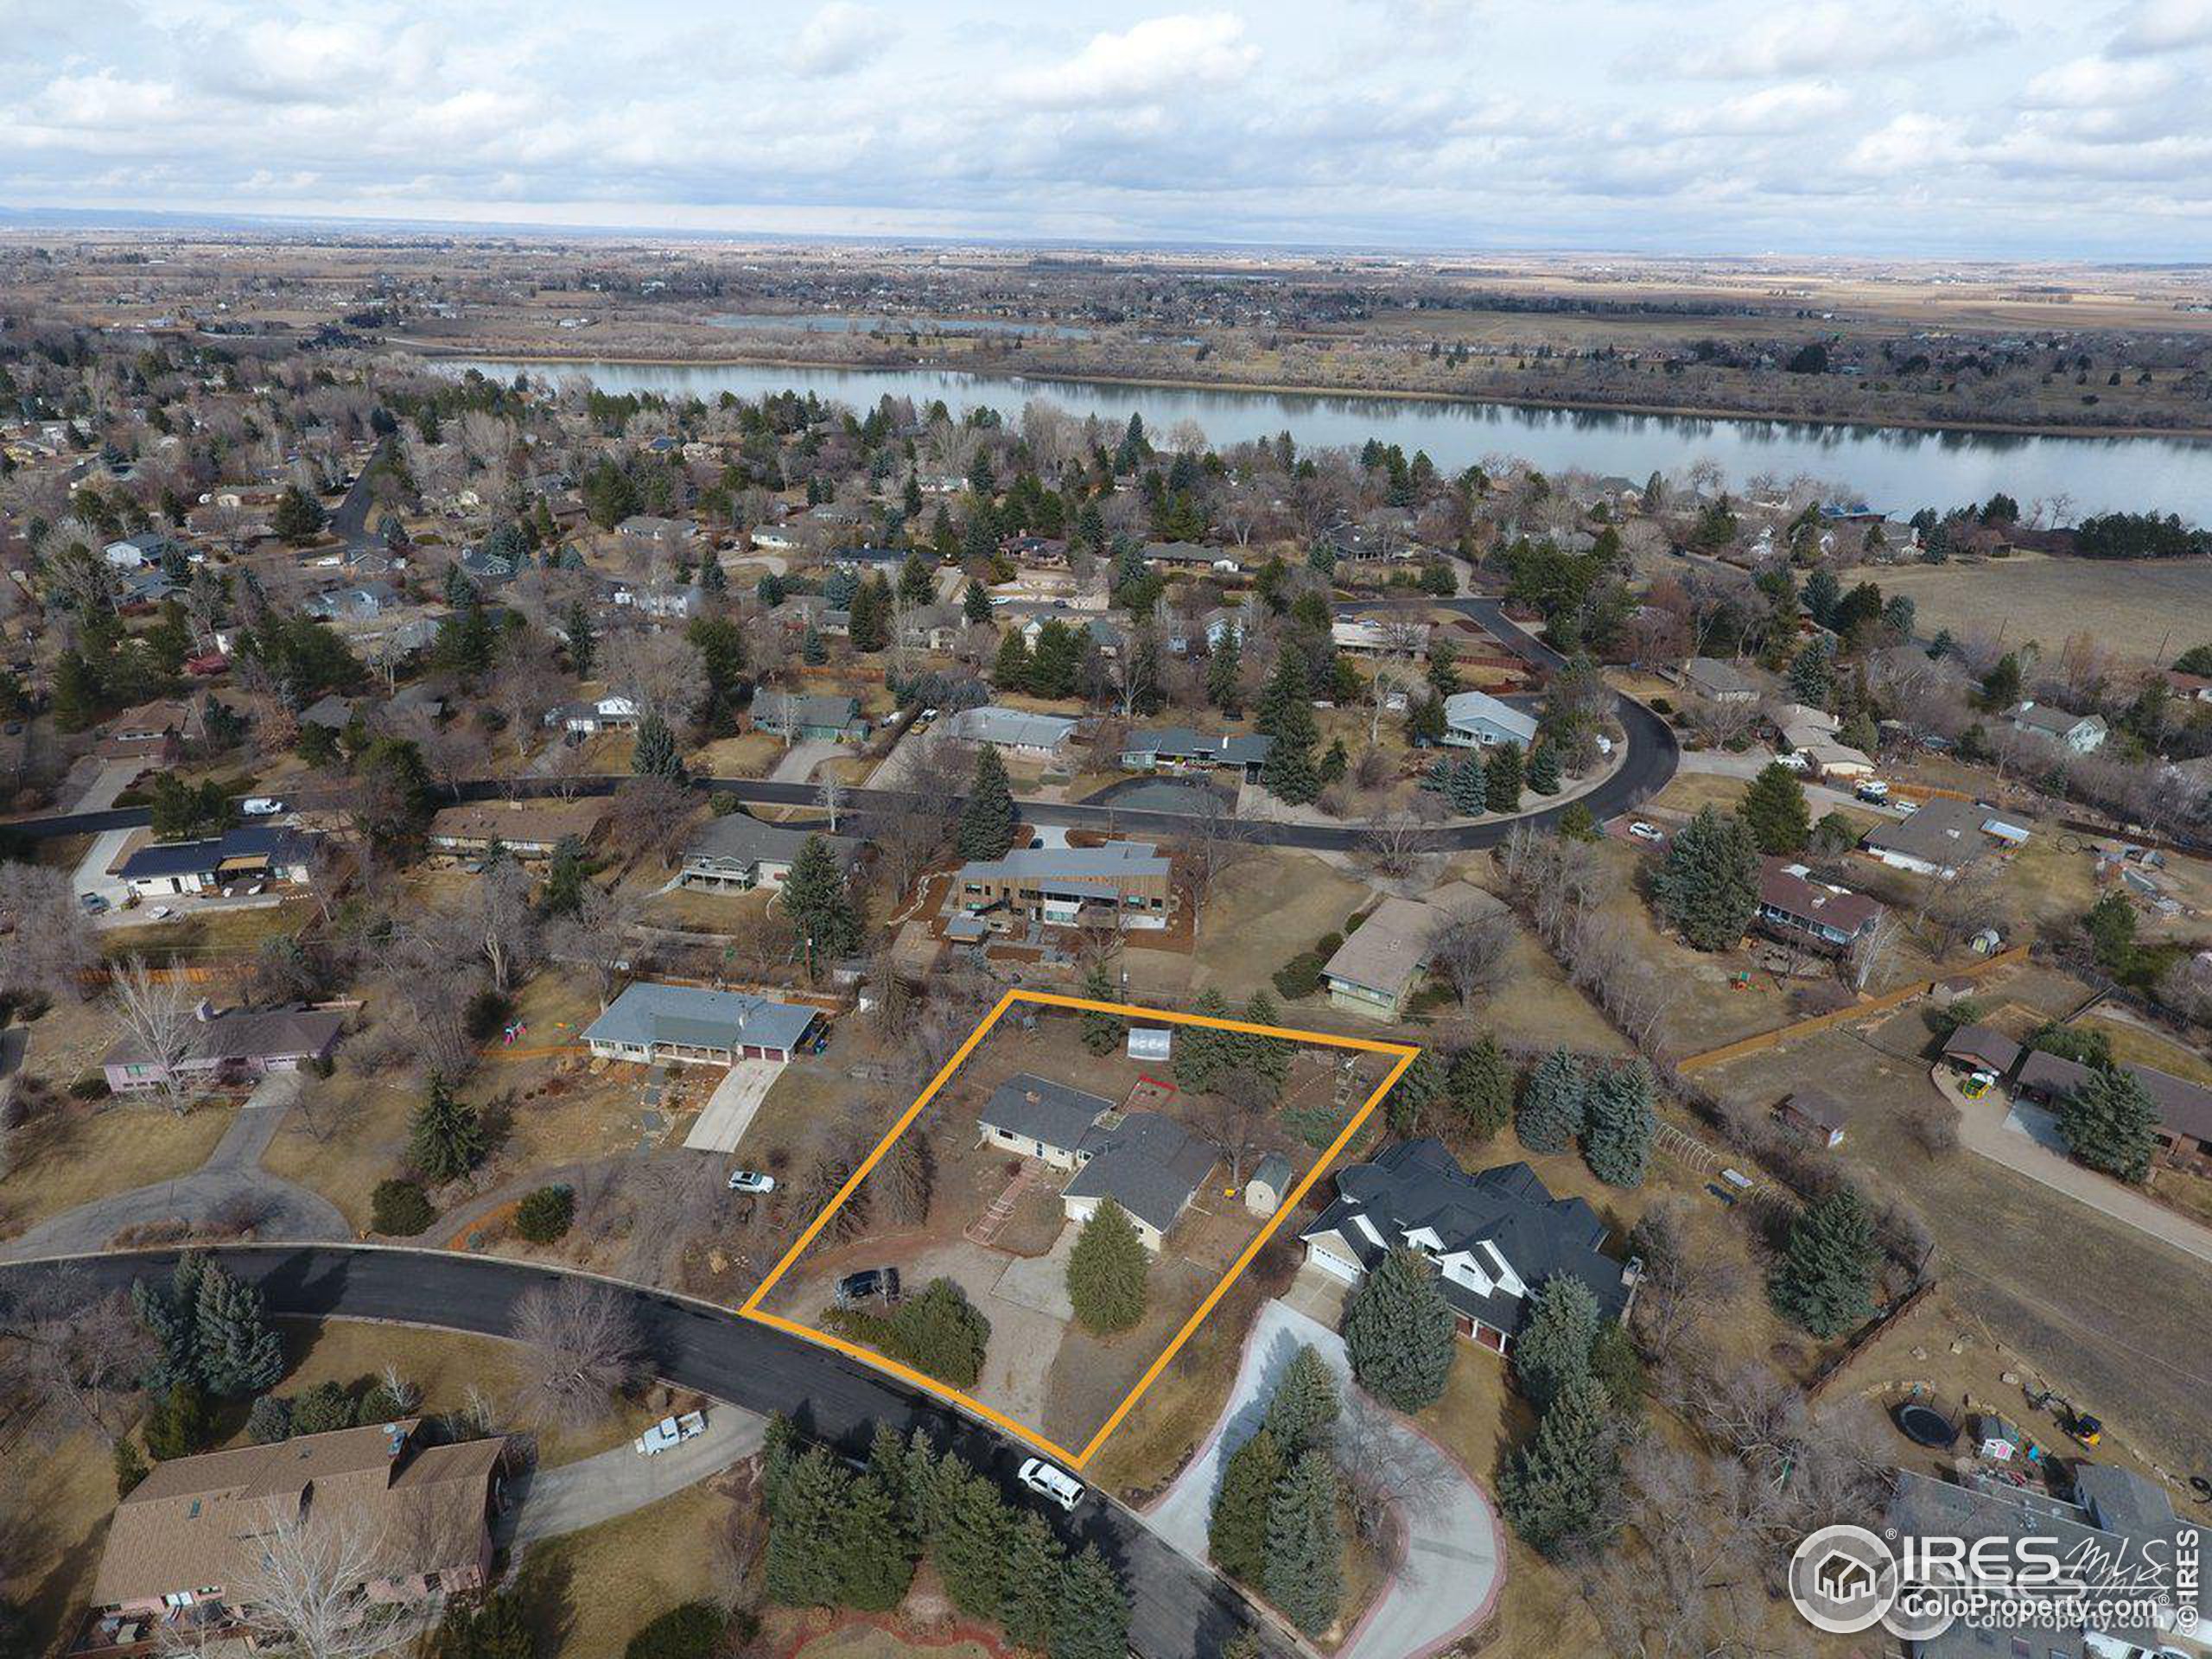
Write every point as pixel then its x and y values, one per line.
pixel 1040 1282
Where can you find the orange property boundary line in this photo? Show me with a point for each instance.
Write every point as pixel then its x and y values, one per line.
pixel 1074 1459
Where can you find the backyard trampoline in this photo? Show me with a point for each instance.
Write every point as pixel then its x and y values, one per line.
pixel 1924 1425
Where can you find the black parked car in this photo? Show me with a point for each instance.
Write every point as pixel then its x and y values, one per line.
pixel 867 1285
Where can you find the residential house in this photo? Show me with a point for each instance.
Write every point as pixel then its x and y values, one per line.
pixel 255 853
pixel 485 568
pixel 1477 720
pixel 819 718
pixel 232 1049
pixel 687 1025
pixel 1123 884
pixel 330 711
pixel 1798 910
pixel 644 530
pixel 1192 556
pixel 1494 1236
pixel 932 627
pixel 1380 636
pixel 2192 688
pixel 1037 552
pixel 148 547
pixel 2120 1529
pixel 1816 1114
pixel 1943 837
pixel 153 732
pixel 863 561
pixel 185 1544
pixel 364 603
pixel 2081 734
pixel 612 711
pixel 530 831
pixel 1978 1047
pixel 1827 758
pixel 1177 748
pixel 2184 1130
pixel 1377 967
pixel 1145 1161
pixel 1013 729
pixel 739 853
pixel 668 601
pixel 1718 682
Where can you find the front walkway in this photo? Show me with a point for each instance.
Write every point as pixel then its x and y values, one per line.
pixel 1454 1564
pixel 1984 1128
pixel 730 1111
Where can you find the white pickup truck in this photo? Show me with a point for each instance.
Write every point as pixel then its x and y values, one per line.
pixel 672 1431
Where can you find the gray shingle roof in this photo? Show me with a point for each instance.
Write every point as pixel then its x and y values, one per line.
pixel 992 724
pixel 1148 1163
pixel 1182 743
pixel 1089 869
pixel 1038 1108
pixel 647 1013
pixel 1418 1184
pixel 745 840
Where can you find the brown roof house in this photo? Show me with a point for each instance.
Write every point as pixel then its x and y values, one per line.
pixel 1796 909
pixel 1377 964
pixel 154 732
pixel 194 1532
pixel 528 830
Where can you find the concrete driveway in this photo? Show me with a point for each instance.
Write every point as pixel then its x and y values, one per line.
pixel 573 1495
pixel 1719 763
pixel 729 1110
pixel 232 1176
pixel 1454 1561
pixel 109 781
pixel 92 873
pixel 797 763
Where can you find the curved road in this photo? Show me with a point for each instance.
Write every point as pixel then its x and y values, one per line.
pixel 1652 758
pixel 1180 1611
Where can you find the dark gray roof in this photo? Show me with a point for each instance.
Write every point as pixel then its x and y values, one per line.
pixel 1148 1163
pixel 1237 749
pixel 747 839
pixel 1418 1184
pixel 1038 1108
pixel 1074 869
pixel 1985 1043
pixel 278 845
pixel 246 1034
pixel 815 710
pixel 1275 1171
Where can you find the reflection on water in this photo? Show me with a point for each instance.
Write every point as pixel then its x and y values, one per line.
pixel 1897 469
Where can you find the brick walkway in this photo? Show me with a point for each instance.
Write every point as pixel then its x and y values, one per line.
pixel 986 1228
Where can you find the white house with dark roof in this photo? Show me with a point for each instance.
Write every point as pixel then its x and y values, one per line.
pixel 1015 729
pixel 1494 1236
pixel 1145 1162
pixel 738 853
pixel 2078 733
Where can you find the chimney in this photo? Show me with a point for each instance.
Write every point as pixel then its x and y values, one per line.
pixel 206 1010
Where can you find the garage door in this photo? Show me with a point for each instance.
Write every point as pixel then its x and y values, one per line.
pixel 754 1052
pixel 1342 1269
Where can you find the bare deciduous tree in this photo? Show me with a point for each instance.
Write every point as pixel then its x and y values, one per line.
pixel 157 1017
pixel 583 1349
pixel 1471 948
pixel 72 1355
pixel 50 942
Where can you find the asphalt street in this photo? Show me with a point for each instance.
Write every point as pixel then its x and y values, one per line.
pixel 1181 1611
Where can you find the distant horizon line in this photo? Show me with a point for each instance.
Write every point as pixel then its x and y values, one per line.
pixel 16 220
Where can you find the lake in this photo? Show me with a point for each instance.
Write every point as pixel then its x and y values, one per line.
pixel 1897 468
pixel 842 322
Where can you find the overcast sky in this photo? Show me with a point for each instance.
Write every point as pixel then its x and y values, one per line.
pixel 1894 127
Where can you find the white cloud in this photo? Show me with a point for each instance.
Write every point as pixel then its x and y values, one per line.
pixel 1144 64
pixel 1910 144
pixel 2095 82
pixel 838 38
pixel 1792 106
pixel 1825 38
pixel 2164 26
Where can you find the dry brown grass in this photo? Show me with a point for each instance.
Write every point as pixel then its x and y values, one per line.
pixel 54 1543
pixel 80 1152
pixel 624 1572
pixel 2131 607
pixel 1267 906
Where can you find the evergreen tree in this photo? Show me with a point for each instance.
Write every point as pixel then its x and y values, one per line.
pixel 1224 674
pixel 1709 885
pixel 988 818
pixel 1557 1491
pixel 1035 1565
pixel 1106 1270
pixel 815 897
pixel 1479 1080
pixel 1543 770
pixel 130 1468
pixel 1466 785
pixel 1266 1058
pixel 813 649
pixel 1553 1347
pixel 942 1333
pixel 1102 1032
pixel 1400 1332
pixel 1825 1280
pixel 1286 716
pixel 1776 811
pixel 562 891
pixel 1202 1052
pixel 969 1546
pixel 1237 1537
pixel 1413 1093
pixel 870 627
pixel 1287 691
pixel 976 603
pixel 1010 669
pixel 499 1626
pixel 1425 722
pixel 1302 1412
pixel 655 754
pixel 1812 674
pixel 804 1565
pixel 583 639
pixel 180 1423
pixel 445 1137
pixel 915 584
pixel 876 1556
pixel 1619 1124
pixel 2111 1123
pixel 1305 1567
pixel 169 1314
pixel 1501 772
pixel 1554 1105
pixel 1093 1618
pixel 238 1354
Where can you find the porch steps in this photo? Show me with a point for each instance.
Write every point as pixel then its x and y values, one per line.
pixel 985 1228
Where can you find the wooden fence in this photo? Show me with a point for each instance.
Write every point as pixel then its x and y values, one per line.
pixel 1764 1040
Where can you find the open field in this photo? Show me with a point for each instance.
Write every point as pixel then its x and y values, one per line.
pixel 81 1151
pixel 2142 610
pixel 616 1576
